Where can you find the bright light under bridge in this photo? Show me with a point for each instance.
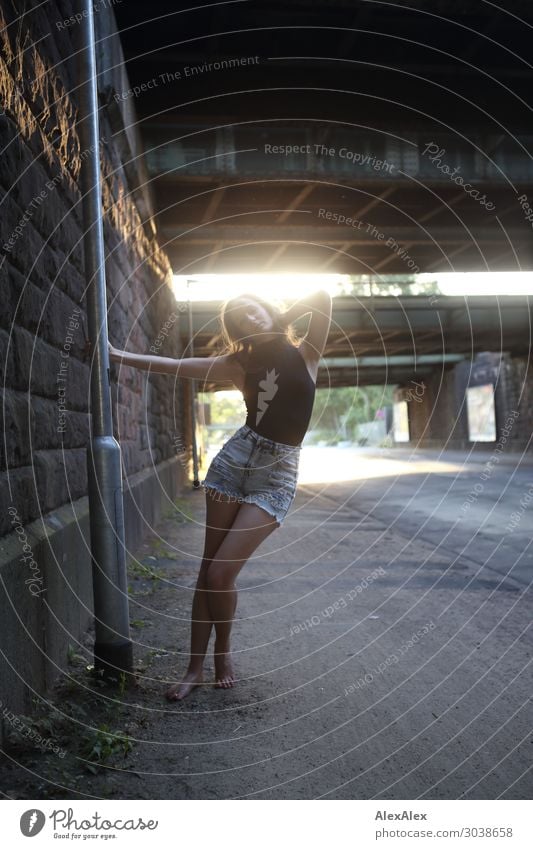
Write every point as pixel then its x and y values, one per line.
pixel 291 286
pixel 330 464
pixel 215 287
pixel 323 464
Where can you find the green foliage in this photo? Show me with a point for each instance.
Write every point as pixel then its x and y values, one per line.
pixel 227 408
pixel 72 656
pixel 365 285
pixel 122 681
pixel 182 513
pixel 337 412
pixel 103 744
pixel 141 570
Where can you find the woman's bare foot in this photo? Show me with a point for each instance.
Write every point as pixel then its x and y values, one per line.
pixel 183 688
pixel 224 671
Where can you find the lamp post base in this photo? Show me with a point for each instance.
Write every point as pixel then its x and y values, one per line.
pixel 112 660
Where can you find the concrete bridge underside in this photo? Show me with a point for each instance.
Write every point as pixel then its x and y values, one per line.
pixel 346 136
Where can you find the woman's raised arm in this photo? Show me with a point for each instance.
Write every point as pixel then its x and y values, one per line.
pixel 319 304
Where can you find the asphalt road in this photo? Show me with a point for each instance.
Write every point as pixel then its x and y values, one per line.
pixel 382 643
pixel 479 506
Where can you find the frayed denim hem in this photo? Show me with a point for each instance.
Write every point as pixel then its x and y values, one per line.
pixel 246 499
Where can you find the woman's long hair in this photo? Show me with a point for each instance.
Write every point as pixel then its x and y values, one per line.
pixel 230 333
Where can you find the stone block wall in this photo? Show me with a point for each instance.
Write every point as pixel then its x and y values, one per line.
pixel 43 319
pixel 44 511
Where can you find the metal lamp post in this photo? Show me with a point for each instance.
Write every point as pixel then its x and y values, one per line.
pixel 113 648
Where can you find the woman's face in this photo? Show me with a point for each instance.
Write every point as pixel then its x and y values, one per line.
pixel 251 318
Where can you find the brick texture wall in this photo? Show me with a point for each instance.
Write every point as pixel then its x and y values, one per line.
pixel 43 315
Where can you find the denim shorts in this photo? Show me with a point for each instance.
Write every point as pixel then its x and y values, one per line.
pixel 252 469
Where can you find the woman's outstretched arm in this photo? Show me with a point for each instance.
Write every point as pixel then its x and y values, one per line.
pixel 214 368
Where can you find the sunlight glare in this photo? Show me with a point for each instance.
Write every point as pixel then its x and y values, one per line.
pixel 329 464
pixel 217 287
pixel 482 282
pixel 214 287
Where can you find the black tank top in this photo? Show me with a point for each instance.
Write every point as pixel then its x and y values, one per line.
pixel 278 390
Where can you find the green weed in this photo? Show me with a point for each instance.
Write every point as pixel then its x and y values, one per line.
pixel 103 744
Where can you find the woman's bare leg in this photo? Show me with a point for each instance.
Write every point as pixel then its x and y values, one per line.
pixel 220 514
pixel 250 527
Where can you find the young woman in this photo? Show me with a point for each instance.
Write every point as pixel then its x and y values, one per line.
pixel 251 482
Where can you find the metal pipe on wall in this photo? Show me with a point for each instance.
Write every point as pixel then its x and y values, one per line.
pixel 113 648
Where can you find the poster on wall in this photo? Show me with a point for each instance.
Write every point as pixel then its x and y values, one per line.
pixel 481 413
pixel 400 422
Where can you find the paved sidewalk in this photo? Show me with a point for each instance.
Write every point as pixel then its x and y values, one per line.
pixel 367 669
pixel 370 665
